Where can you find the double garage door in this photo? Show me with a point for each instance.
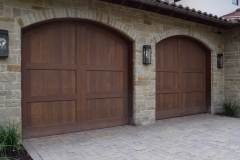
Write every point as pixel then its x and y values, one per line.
pixel 74 78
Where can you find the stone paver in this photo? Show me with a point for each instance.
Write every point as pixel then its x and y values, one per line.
pixel 195 137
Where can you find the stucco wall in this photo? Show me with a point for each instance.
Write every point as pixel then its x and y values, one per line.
pixel 142 27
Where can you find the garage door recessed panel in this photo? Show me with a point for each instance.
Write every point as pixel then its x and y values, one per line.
pixel 193 100
pixel 106 51
pixel 167 80
pixel 167 55
pixel 193 80
pixel 105 108
pixel 104 81
pixel 190 56
pixel 51 82
pixel 53 46
pixel 50 113
pixel 167 101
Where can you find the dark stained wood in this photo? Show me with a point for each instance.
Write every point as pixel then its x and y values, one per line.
pixel 50 113
pixel 50 98
pixel 35 66
pixel 102 95
pixel 130 84
pixel 105 96
pixel 49 75
pixel 180 78
pixel 104 68
pixel 50 130
pixel 208 81
pixel 74 78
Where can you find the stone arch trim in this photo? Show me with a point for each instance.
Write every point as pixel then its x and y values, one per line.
pixel 50 14
pixel 185 32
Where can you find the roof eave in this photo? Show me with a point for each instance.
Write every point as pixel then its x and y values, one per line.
pixel 186 13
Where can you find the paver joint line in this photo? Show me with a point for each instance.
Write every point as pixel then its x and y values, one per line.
pixel 194 137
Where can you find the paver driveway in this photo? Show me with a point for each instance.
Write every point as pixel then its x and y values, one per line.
pixel 202 136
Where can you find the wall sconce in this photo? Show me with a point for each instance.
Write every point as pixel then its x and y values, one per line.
pixel 147 53
pixel 220 60
pixel 3 43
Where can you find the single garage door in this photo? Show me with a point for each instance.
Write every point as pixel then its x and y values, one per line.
pixel 74 78
pixel 180 78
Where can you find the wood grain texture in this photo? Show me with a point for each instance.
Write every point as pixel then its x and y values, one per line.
pixel 105 96
pixel 180 78
pixel 75 75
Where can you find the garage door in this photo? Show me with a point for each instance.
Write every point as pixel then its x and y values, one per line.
pixel 180 78
pixel 74 78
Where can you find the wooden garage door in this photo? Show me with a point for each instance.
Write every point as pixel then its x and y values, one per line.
pixel 74 78
pixel 180 79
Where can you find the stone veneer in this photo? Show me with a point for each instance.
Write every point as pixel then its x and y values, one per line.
pixel 232 64
pixel 140 26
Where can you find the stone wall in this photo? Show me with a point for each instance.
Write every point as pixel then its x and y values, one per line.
pixel 232 64
pixel 140 26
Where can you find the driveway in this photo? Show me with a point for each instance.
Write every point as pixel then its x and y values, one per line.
pixel 195 137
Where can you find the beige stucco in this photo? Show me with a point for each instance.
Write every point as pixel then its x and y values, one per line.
pixel 140 26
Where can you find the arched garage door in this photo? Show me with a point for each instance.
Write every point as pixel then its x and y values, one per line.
pixel 74 78
pixel 180 78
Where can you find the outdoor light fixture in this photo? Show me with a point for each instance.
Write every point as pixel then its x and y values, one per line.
pixel 147 52
pixel 220 60
pixel 3 43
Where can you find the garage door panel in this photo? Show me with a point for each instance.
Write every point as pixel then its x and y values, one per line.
pixel 110 56
pixel 194 62
pixel 70 57
pixel 49 46
pixel 53 34
pixel 190 57
pixel 51 82
pixel 107 51
pixel 103 52
pixel 50 113
pixel 168 60
pixel 193 81
pixel 104 81
pixel 92 52
pixel 105 108
pixel 197 58
pixel 118 59
pixel 184 54
pixel 39 49
pixel 193 100
pixel 167 80
pixel 167 101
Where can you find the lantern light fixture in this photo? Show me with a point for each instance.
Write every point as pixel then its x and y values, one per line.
pixel 220 61
pixel 147 54
pixel 4 43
